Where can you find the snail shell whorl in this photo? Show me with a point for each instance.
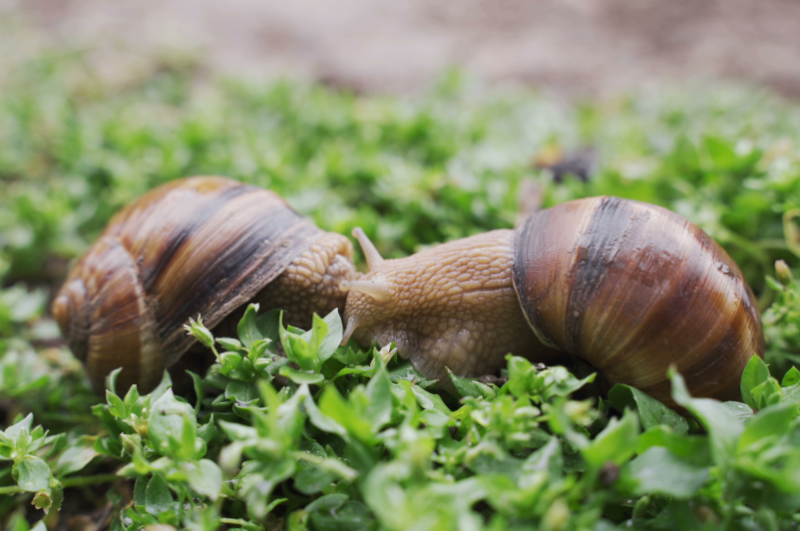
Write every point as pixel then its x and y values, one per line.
pixel 202 245
pixel 106 318
pixel 633 288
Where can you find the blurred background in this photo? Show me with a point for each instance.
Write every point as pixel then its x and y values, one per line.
pixel 577 46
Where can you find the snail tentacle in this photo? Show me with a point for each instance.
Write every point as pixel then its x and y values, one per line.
pixel 371 253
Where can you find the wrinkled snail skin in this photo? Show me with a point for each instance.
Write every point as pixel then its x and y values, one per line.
pixel 629 287
pixel 204 245
pixel 452 306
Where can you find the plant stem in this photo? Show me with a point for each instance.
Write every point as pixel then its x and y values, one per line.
pixel 71 482
pixel 89 480
pixel 236 522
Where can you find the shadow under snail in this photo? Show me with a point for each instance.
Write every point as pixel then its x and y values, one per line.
pixel 629 287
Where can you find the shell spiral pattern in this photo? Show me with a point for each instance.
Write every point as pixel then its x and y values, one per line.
pixel 203 245
pixel 633 288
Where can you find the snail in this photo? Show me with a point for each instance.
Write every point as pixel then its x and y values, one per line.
pixel 629 287
pixel 204 245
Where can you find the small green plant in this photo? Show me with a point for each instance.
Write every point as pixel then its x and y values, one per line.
pixel 296 431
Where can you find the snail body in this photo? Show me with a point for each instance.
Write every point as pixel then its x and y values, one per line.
pixel 452 306
pixel 629 287
pixel 204 245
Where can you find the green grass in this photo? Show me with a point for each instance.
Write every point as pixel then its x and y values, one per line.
pixel 358 440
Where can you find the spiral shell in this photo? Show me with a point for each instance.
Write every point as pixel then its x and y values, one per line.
pixel 632 289
pixel 204 245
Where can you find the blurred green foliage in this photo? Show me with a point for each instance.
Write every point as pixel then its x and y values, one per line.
pixel 74 149
pixel 358 440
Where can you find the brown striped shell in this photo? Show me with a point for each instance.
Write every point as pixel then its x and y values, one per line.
pixel 633 288
pixel 204 245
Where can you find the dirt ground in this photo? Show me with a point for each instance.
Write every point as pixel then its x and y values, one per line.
pixel 579 46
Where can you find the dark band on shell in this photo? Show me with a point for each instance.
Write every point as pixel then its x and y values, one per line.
pixel 633 288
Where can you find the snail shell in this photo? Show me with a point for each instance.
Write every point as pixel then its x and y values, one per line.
pixel 634 288
pixel 204 245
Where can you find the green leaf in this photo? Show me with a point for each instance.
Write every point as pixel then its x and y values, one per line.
pixel 140 491
pixel 298 350
pixel 351 516
pixel 116 406
pixel 199 390
pixel 755 373
pixel 14 431
pixel 255 488
pixel 268 324
pixel 238 432
pixel 312 479
pixel 774 421
pixel 548 459
pixel 428 400
pixel 658 471
pixel 26 305
pixel 651 411
pixel 330 342
pixel 616 443
pixel 241 391
pixel 77 455
pixel 322 421
pixel 521 375
pixel 471 387
pixel 791 377
pixel 166 424
pixel 379 395
pixel 406 371
pixel 32 474
pixel 158 498
pixel 206 479
pixel 204 519
pixel 132 397
pixel 230 457
pixel 188 441
pixel 162 388
pixel 767 393
pixel 723 429
pixel 317 333
pixel 300 377
pixel 232 365
pixel 558 381
pixel 259 350
pixel 248 329
pixel 721 152
pixel 332 405
pixel 229 344
pixel 791 393
pixel 328 503
pixel 691 447
pixel 111 380
pixel 739 410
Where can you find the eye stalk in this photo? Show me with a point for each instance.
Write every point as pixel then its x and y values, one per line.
pixel 371 287
pixel 372 254
pixel 374 288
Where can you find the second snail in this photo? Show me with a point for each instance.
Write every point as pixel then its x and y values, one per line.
pixel 630 288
